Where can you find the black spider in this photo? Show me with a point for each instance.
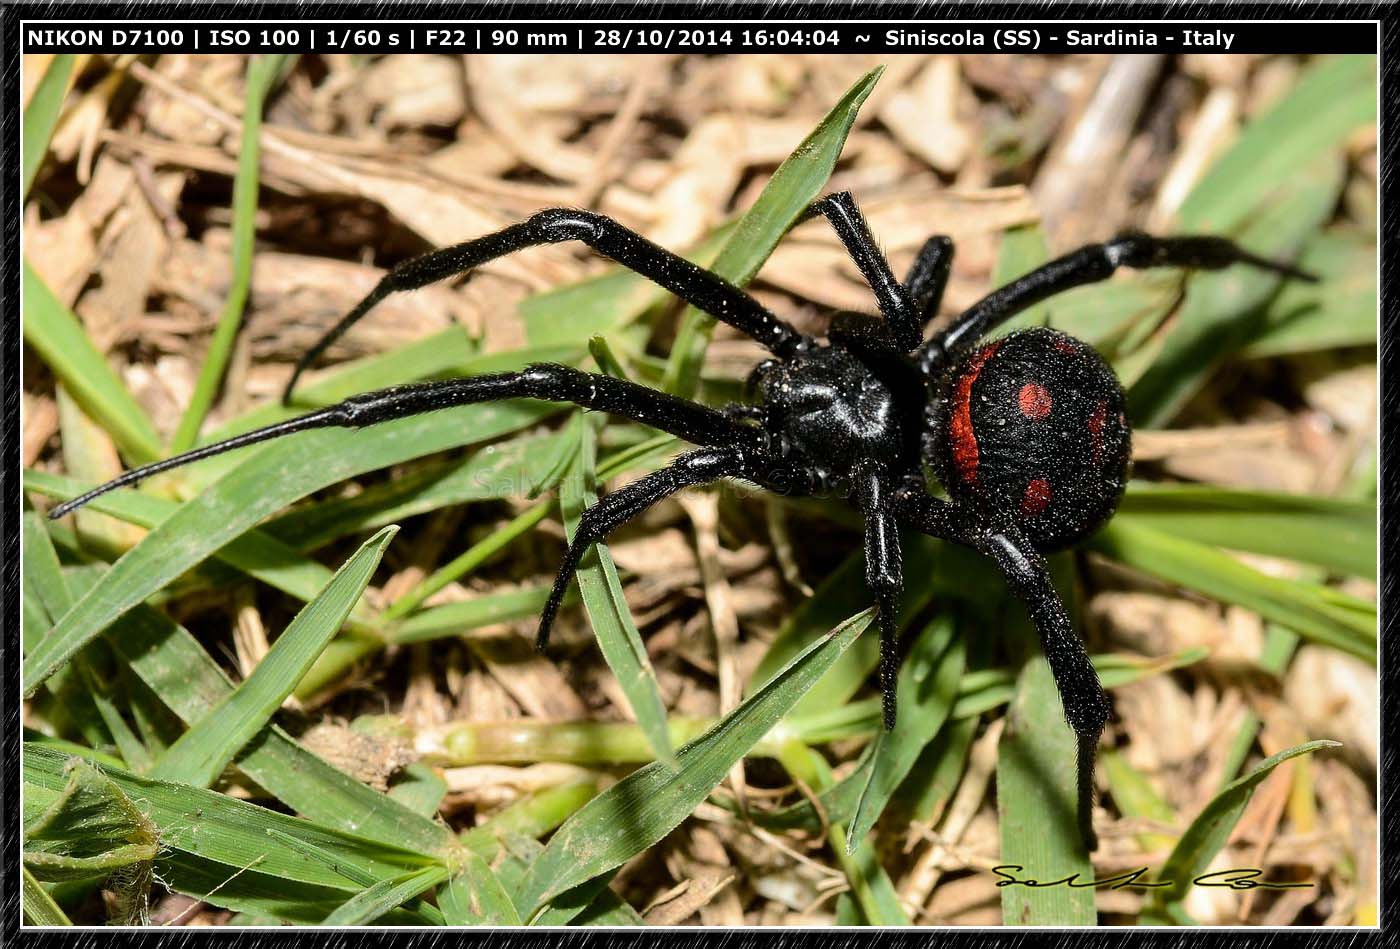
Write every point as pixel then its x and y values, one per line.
pixel 1027 433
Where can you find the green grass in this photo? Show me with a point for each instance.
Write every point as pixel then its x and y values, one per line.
pixel 201 752
pixel 646 805
pixel 796 184
pixel 262 73
pixel 59 339
pixel 41 116
pixel 147 730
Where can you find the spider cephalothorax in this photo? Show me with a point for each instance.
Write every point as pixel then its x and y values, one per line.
pixel 1027 432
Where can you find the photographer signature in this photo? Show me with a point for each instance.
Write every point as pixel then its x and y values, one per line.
pixel 1239 878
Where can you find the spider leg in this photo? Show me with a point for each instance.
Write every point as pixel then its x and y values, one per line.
pixel 697 286
pixel 884 574
pixel 1088 265
pixel 1085 704
pixel 928 277
pixel 896 304
pixel 615 509
pixel 545 381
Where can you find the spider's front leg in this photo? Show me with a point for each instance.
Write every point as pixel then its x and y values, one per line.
pixel 545 381
pixel 884 573
pixel 1085 704
pixel 928 277
pixel 903 326
pixel 698 287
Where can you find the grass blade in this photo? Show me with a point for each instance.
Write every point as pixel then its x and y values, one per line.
pixel 370 904
pixel 1209 831
pixel 263 71
pixel 1022 250
pixel 1223 310
pixel 646 805
pixel 452 619
pixel 175 668
pixel 874 893
pixel 797 182
pixel 246 890
pixel 38 907
pixel 447 352
pixel 612 622
pixel 1338 311
pixel 609 909
pixel 419 788
pixel 1135 796
pixel 926 689
pixel 439 622
pixel 135 755
pixel 373 372
pixel 41 116
pixel 217 827
pixel 935 776
pixel 468 560
pixel 922 561
pixel 63 344
pixel 269 480
pixel 201 753
pixel 1336 533
pixel 475 897
pixel 1315 612
pixel 255 553
pixel 71 706
pixel 932 568
pixel 497 471
pixel 531 817
pixel 172 664
pixel 604 304
pixel 1036 793
pixel 1332 98
pixel 42 573
pixel 980 691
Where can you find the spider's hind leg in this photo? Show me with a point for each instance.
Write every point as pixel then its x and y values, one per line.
pixel 619 507
pixel 1087 265
pixel 1085 704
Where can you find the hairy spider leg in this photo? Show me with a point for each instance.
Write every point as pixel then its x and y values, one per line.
pixel 546 381
pixel 928 277
pixel 1089 264
pixel 695 285
pixel 884 574
pixel 896 304
pixel 619 507
pixel 1085 704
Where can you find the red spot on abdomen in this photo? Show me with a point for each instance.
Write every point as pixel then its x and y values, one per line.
pixel 1037 497
pixel 1034 401
pixel 1096 421
pixel 960 433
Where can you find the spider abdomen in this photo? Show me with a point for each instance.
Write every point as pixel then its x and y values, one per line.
pixel 1032 432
